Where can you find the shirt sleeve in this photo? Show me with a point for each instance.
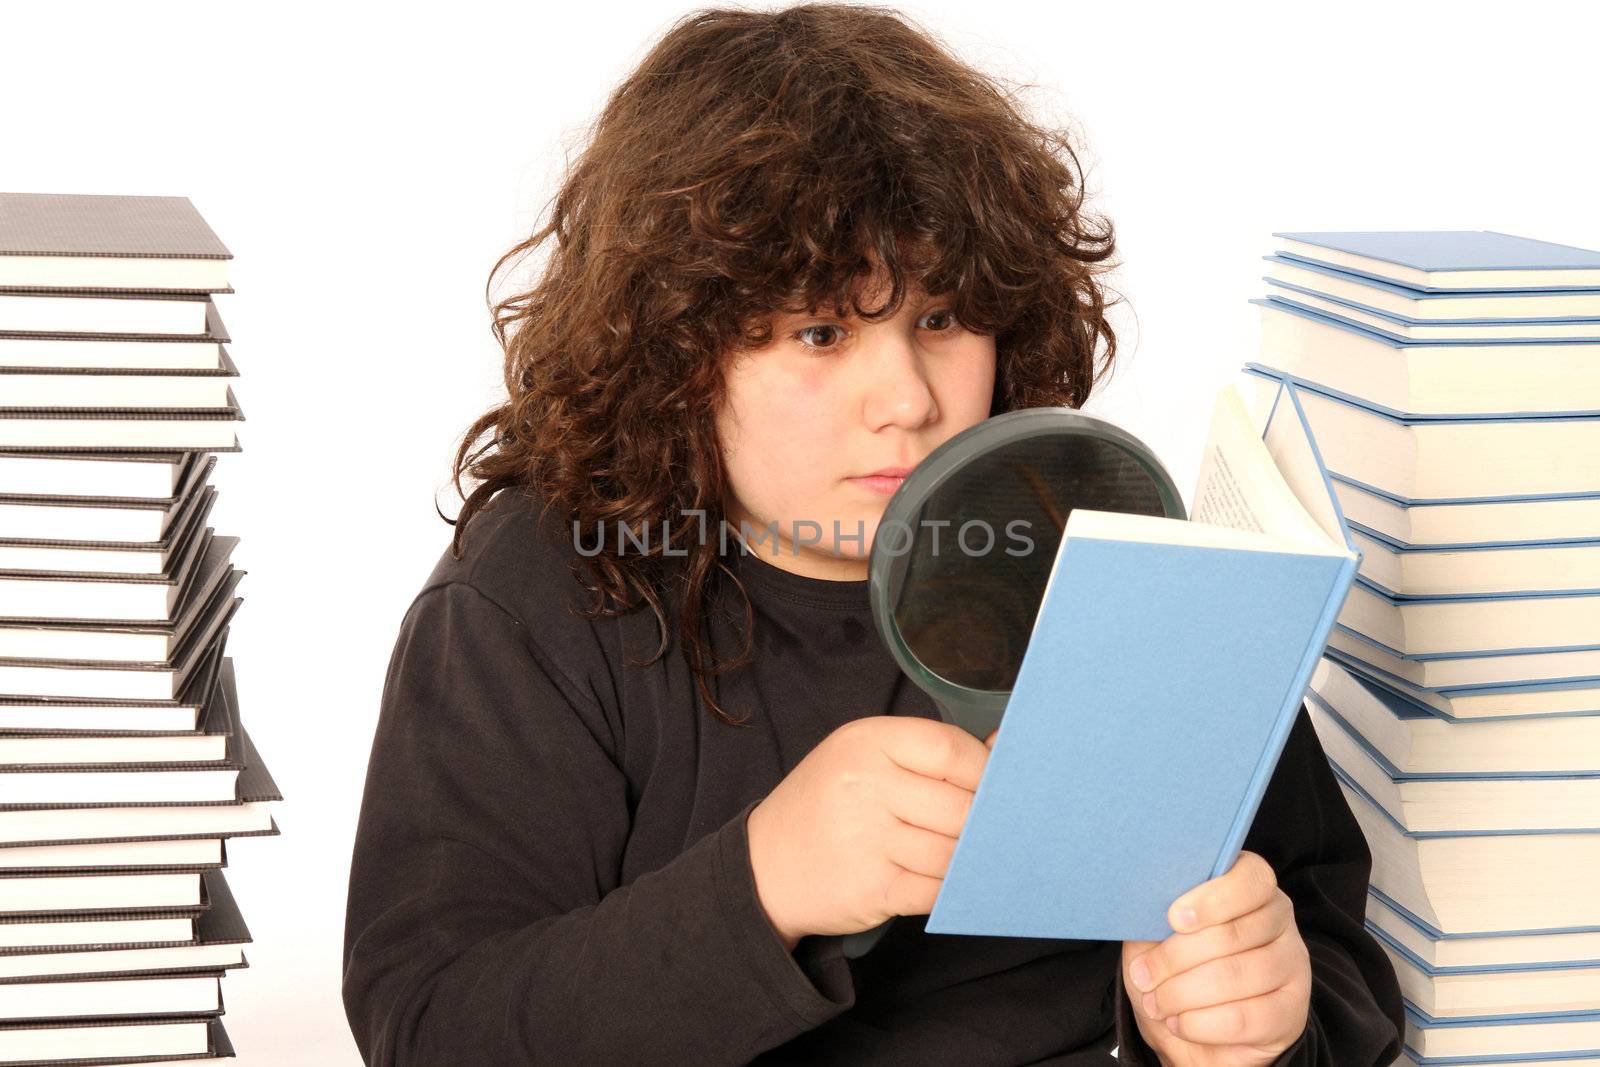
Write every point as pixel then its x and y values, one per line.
pixel 1306 831
pixel 484 922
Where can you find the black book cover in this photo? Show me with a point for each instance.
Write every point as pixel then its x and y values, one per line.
pixel 220 1046
pixel 216 333
pixel 184 466
pixel 196 693
pixel 196 470
pixel 253 785
pixel 221 924
pixel 210 570
pixel 105 225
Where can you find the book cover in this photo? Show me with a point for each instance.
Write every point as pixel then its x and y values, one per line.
pixel 101 241
pixel 1502 306
pixel 1441 330
pixel 1128 694
pixel 1449 260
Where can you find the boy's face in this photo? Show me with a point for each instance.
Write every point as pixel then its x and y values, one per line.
pixel 829 400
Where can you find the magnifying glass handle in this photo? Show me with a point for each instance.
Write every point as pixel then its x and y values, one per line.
pixel 861 942
pixel 980 722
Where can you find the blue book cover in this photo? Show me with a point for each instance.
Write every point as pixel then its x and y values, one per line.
pixel 1403 701
pixel 1423 655
pixel 1282 358
pixel 1474 654
pixel 1406 548
pixel 1405 418
pixel 1158 687
pixel 1446 501
pixel 1450 260
pixel 1421 1018
pixel 1434 331
pixel 1399 599
pixel 1433 933
pixel 1368 333
pixel 1418 1017
pixel 1349 781
pixel 1503 968
pixel 1398 776
pixel 1497 305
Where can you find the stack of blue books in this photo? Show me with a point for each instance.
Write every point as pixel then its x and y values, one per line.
pixel 1451 380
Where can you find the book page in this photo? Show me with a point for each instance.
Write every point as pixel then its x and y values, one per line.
pixel 1219 500
pixel 1240 484
pixel 1291 447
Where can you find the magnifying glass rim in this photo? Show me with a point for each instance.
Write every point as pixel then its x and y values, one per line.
pixel 943 462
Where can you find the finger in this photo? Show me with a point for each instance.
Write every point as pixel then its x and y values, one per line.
pixel 1180 952
pixel 910 893
pixel 1237 977
pixel 1133 951
pixel 919 851
pixel 929 803
pixel 936 749
pixel 1273 1019
pixel 1247 885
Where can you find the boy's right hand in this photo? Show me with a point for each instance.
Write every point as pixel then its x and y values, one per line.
pixel 863 827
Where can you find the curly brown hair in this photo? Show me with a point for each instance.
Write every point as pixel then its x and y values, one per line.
pixel 759 161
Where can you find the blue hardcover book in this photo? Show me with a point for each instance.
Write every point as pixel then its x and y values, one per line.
pixel 1497 800
pixel 1531 994
pixel 1164 671
pixel 1480 881
pixel 1462 672
pixel 1445 501
pixel 1487 549
pixel 1527 520
pixel 1439 457
pixel 1439 331
pixel 1419 570
pixel 1428 380
pixel 1449 260
pixel 1565 1039
pixel 1432 971
pixel 1534 305
pixel 1410 719
pixel 1436 949
pixel 1477 625
pixel 1535 419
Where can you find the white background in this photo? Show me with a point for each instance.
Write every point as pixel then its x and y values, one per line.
pixel 367 165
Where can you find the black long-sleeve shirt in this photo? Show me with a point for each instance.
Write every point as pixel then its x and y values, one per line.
pixel 551 864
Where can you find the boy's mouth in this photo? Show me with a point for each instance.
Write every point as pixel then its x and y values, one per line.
pixel 879 483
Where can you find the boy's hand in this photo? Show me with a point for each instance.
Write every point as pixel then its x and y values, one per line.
pixel 863 827
pixel 1232 988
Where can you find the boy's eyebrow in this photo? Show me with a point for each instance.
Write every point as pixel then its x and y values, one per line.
pixel 827 311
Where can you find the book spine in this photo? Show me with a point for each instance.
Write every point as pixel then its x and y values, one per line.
pixel 1285 721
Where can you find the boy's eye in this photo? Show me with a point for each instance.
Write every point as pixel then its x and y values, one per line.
pixel 940 320
pixel 800 335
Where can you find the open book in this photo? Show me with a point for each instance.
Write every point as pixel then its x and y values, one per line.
pixel 1165 668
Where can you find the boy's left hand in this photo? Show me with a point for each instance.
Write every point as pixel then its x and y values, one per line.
pixel 1232 987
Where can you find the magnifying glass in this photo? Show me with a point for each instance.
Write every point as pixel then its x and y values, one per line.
pixel 966 545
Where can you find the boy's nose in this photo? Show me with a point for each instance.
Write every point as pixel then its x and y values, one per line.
pixel 898 392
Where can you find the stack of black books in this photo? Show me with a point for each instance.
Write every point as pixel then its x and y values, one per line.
pixel 123 764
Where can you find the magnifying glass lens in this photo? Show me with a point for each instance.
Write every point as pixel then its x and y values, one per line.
pixel 984 543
